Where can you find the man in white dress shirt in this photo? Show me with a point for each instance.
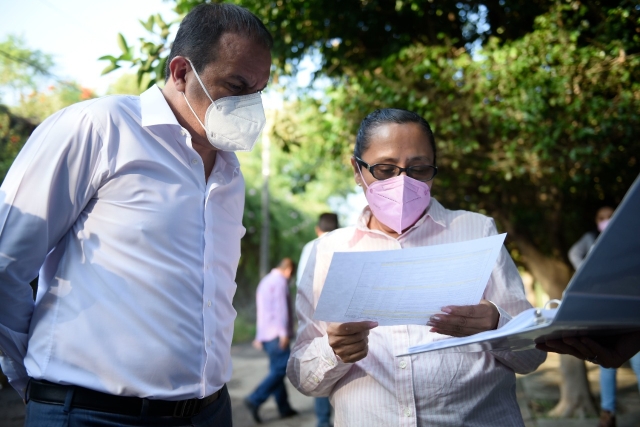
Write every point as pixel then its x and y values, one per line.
pixel 131 210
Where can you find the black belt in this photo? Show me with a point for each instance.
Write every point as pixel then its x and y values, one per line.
pixel 56 394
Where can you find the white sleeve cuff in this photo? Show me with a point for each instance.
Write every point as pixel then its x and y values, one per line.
pixel 504 316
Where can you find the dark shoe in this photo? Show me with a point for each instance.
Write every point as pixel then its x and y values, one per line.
pixel 607 419
pixel 289 413
pixel 253 409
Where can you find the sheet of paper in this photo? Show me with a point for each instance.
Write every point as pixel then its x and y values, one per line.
pixel 530 319
pixel 406 286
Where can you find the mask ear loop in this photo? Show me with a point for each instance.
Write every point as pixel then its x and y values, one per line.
pixel 194 113
pixel 362 177
pixel 200 81
pixel 205 92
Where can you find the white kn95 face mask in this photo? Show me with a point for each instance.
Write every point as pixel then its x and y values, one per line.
pixel 233 123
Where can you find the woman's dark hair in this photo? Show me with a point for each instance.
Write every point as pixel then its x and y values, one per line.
pixel 201 29
pixel 389 115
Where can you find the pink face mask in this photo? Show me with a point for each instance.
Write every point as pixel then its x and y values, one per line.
pixel 397 202
pixel 603 224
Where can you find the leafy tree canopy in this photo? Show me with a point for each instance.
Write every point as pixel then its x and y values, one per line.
pixel 537 128
pixel 21 68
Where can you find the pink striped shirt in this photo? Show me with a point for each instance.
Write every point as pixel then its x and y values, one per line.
pixel 439 389
pixel 273 310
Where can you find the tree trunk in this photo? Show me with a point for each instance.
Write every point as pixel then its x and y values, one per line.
pixel 575 396
pixel 554 274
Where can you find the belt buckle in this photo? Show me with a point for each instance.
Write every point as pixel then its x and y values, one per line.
pixel 186 408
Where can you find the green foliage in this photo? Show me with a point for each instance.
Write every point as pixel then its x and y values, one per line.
pixel 154 51
pixel 244 327
pixel 22 72
pixel 292 217
pixel 536 131
pixel 38 105
pixel 14 131
pixel 21 68
pixel 127 84
pixel 352 35
pixel 537 128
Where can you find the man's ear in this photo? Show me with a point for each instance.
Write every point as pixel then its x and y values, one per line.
pixel 178 68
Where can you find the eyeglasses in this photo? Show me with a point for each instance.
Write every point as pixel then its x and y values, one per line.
pixel 382 171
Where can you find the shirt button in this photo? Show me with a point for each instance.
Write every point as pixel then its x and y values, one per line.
pixel 403 364
pixel 209 303
pixel 407 412
pixel 316 379
pixel 194 161
pixel 183 132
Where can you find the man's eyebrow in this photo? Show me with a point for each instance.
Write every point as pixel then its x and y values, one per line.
pixel 242 79
pixel 246 83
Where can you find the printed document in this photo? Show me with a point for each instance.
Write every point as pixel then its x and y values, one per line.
pixel 529 320
pixel 409 285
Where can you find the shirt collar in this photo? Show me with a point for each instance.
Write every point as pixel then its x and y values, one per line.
pixel 155 110
pixel 228 164
pixel 435 211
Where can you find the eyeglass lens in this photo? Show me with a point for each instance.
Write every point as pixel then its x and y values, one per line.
pixel 421 172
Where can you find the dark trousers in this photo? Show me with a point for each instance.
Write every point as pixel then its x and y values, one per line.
pixel 274 382
pixel 323 411
pixel 217 414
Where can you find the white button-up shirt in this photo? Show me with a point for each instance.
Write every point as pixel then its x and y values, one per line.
pixel 429 389
pixel 138 253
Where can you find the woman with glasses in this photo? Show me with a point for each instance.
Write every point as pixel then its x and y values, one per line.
pixel 353 363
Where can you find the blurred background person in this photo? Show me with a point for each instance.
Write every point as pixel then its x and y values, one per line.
pixel 608 383
pixel 327 222
pixel 274 329
pixel 580 249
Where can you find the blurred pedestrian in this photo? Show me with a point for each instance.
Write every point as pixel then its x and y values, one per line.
pixel 327 222
pixel 273 333
pixel 580 249
pixel 608 382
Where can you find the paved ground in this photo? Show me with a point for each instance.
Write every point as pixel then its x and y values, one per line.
pixel 250 366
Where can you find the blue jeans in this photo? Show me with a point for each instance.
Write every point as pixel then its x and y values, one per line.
pixel 274 382
pixel 608 384
pixel 323 411
pixel 218 414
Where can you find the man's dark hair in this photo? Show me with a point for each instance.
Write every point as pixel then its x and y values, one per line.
pixel 287 263
pixel 390 115
pixel 201 29
pixel 328 222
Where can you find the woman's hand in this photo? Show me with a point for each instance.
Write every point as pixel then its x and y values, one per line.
pixel 350 341
pixel 464 320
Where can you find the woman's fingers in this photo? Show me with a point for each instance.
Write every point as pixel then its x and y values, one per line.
pixel 350 341
pixel 460 321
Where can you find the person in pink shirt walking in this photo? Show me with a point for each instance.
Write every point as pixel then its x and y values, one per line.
pixel 274 330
